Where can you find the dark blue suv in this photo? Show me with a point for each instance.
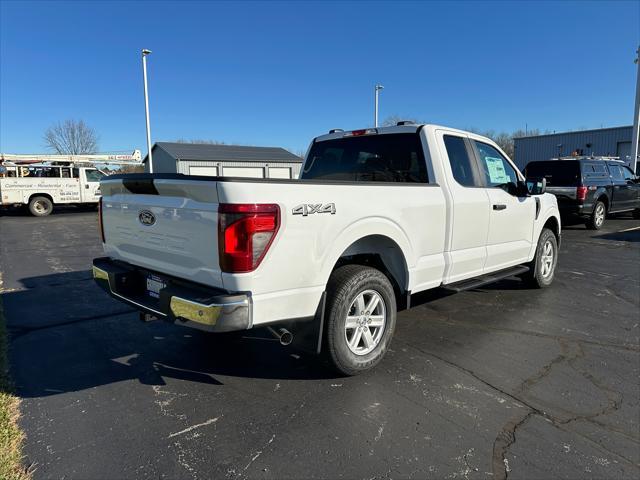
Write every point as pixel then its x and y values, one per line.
pixel 590 187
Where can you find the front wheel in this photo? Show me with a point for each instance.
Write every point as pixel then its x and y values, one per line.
pixel 361 318
pixel 543 267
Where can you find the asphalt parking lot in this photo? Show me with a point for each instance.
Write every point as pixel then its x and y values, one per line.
pixel 492 383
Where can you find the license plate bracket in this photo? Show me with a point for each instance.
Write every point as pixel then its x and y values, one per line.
pixel 154 284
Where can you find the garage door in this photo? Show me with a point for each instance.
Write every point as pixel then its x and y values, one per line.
pixel 624 150
pixel 279 172
pixel 252 172
pixel 207 171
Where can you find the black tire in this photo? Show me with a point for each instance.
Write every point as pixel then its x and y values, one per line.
pixel 597 217
pixel 538 276
pixel 40 206
pixel 345 286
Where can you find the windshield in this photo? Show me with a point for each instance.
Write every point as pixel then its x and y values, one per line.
pixel 565 173
pixel 374 158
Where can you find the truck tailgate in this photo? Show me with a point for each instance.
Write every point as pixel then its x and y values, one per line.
pixel 165 225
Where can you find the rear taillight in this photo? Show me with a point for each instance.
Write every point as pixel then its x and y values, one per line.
pixel 100 224
pixel 245 233
pixel 581 193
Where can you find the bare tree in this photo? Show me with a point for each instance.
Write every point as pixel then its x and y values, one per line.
pixel 71 137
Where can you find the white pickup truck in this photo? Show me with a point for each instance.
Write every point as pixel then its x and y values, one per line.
pixel 377 215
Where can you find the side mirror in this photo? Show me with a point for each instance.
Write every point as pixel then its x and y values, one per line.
pixel 536 186
pixel 517 189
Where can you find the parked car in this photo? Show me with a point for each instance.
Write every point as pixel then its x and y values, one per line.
pixel 590 187
pixel 378 215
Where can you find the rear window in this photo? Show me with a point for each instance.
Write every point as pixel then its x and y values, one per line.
pixel 370 158
pixel 557 172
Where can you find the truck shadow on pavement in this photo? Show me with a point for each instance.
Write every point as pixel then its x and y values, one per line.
pixel 67 335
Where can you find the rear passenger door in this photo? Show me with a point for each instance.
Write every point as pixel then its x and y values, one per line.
pixel 624 190
pixel 468 215
pixel 511 218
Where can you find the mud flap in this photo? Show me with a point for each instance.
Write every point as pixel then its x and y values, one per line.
pixel 307 334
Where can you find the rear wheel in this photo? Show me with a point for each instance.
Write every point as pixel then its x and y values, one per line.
pixel 543 267
pixel 596 220
pixel 40 206
pixel 361 318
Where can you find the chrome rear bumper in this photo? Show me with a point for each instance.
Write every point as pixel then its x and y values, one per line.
pixel 187 304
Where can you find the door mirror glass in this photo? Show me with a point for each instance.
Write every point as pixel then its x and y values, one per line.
pixel 536 185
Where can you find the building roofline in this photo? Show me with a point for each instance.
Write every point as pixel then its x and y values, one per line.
pixel 574 131
pixel 293 158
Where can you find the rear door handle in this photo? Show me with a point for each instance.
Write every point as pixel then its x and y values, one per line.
pixel 500 206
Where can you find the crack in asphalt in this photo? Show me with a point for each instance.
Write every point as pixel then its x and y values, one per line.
pixel 506 437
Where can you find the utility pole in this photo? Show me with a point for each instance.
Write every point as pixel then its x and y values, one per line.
pixel 146 52
pixel 377 89
pixel 635 135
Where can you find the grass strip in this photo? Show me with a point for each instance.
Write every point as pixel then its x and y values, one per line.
pixel 11 436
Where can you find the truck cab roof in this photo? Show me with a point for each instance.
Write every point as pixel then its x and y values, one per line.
pixel 405 128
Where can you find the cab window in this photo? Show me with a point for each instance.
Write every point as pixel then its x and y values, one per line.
pixel 93 175
pixel 460 161
pixel 496 169
pixel 616 172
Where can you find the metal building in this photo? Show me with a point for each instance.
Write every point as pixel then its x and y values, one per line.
pixel 603 141
pixel 223 160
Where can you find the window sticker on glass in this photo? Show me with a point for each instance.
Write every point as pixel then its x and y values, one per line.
pixel 497 172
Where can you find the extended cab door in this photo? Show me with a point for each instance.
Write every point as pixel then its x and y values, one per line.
pixel 625 188
pixel 90 185
pixel 468 213
pixel 511 217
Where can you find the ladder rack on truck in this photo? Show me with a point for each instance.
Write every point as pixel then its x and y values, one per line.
pixel 41 181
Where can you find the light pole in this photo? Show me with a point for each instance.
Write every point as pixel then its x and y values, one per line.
pixel 377 89
pixel 146 52
pixel 636 119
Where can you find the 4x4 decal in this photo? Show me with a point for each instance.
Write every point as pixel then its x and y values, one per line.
pixel 311 208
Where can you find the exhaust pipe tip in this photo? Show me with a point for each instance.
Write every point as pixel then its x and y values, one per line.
pixel 286 337
pixel 282 334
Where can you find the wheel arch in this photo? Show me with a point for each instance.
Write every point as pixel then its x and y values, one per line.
pixel 382 253
pixel 553 224
pixel 602 196
pixel 46 195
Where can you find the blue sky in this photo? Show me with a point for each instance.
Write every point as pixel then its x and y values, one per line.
pixel 269 73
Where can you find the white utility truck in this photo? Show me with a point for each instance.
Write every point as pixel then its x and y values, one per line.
pixel 42 181
pixel 377 215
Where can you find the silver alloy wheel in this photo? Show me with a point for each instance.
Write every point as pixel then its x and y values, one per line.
pixel 599 214
pixel 547 259
pixel 365 323
pixel 40 207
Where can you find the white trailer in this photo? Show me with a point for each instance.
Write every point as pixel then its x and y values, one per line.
pixel 42 181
